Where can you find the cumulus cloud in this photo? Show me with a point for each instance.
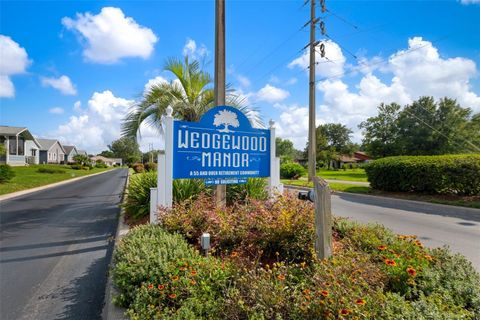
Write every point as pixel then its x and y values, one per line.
pixel 271 94
pixel 77 106
pixel 99 123
pixel 110 36
pixel 191 50
pixel 13 60
pixel 408 74
pixel 331 65
pixel 152 82
pixel 56 110
pixel 293 124
pixel 62 84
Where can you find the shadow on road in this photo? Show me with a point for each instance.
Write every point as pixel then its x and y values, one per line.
pixel 468 214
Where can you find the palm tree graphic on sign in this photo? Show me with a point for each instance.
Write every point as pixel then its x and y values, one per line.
pixel 226 118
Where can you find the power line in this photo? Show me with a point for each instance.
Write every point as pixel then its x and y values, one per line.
pixel 379 62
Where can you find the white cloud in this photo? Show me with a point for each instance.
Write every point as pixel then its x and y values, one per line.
pixel 56 110
pixel 466 2
pixel 243 81
pixel 13 60
pixel 293 124
pixel 77 106
pixel 416 71
pixel 62 84
pixel 331 65
pixel 191 50
pixel 271 94
pixel 152 82
pixel 110 36
pixel 99 124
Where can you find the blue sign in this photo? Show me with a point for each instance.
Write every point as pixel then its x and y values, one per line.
pixel 222 147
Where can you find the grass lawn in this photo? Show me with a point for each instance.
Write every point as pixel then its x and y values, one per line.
pixel 347 175
pixel 29 177
pixel 453 200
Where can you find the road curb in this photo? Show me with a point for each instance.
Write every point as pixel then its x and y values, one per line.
pixel 20 193
pixel 438 205
pixel 110 310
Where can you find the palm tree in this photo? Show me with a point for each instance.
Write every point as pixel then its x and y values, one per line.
pixel 190 95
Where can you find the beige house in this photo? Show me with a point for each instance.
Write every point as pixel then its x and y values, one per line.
pixel 108 161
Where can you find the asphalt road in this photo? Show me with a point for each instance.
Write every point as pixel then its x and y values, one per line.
pixel 435 225
pixel 55 247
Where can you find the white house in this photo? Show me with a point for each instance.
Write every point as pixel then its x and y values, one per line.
pixel 51 151
pixel 20 145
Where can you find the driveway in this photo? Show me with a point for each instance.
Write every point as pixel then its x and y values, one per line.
pixel 55 247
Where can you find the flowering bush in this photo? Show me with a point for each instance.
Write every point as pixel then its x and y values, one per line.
pixel 160 276
pixel 263 267
pixel 254 228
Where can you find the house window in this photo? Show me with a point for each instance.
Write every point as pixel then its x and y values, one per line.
pixel 34 152
pixel 12 145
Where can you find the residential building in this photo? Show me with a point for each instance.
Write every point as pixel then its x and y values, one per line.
pixel 70 152
pixel 108 161
pixel 82 152
pixel 51 151
pixel 20 146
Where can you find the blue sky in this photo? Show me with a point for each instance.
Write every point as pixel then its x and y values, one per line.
pixel 70 69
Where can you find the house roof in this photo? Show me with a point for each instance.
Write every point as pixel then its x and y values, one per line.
pixel 81 152
pixel 69 149
pixel 13 131
pixel 46 144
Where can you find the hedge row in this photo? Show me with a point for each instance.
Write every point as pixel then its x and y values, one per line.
pixel 447 174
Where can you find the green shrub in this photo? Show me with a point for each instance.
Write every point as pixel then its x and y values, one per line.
pixel 255 188
pixel 265 228
pixel 448 174
pixel 160 276
pixel 6 173
pixel 137 201
pixel 138 167
pixel 185 189
pixel 50 170
pixel 291 170
pixel 100 165
pixel 76 166
pixel 150 166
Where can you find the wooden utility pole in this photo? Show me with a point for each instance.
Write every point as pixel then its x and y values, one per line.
pixel 221 190
pixel 312 155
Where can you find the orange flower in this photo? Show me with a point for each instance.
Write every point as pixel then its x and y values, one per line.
pixel 324 293
pixel 193 273
pixel 183 268
pixel 161 287
pixel 327 284
pixel 360 301
pixel 281 277
pixel 234 254
pixel 172 295
pixel 175 278
pixel 306 292
pixel 411 271
pixel 345 312
pixel 193 282
pixel 428 257
pixel 390 262
pixel 382 248
pixel 150 286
